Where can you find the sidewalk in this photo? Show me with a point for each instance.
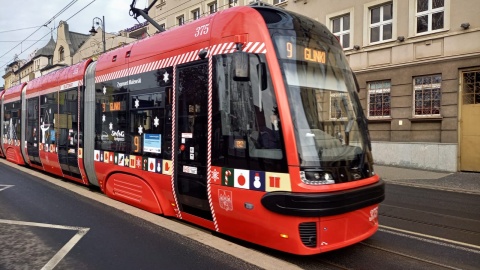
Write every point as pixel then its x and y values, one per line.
pixel 460 181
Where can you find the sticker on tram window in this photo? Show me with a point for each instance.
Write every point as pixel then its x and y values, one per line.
pixel 257 180
pixel 152 143
pixel 187 135
pixel 121 159
pixel 190 169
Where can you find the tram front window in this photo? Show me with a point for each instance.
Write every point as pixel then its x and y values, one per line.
pixel 326 115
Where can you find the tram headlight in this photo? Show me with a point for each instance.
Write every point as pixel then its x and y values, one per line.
pixel 316 178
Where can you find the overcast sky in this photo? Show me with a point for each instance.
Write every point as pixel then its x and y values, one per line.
pixel 32 14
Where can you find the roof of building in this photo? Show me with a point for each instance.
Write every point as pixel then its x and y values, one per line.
pixel 48 49
pixel 77 41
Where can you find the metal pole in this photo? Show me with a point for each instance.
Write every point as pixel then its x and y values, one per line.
pixel 104 32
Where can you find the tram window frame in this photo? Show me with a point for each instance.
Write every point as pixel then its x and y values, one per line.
pixel 243 114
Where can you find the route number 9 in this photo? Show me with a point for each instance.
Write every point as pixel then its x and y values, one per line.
pixel 136 143
pixel 289 50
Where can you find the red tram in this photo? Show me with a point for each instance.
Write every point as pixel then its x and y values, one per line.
pixel 246 122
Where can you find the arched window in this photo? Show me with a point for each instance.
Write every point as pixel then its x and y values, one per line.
pixel 61 51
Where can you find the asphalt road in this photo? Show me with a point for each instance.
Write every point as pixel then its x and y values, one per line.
pixel 40 221
pixel 66 226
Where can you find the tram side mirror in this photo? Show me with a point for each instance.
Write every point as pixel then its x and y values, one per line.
pixel 262 75
pixel 241 67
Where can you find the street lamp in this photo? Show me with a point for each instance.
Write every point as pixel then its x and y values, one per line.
pixel 93 31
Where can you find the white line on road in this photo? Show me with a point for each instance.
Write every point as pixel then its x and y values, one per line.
pixel 3 187
pixel 65 249
pixel 431 239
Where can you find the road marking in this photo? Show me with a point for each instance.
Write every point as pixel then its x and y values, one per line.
pixel 431 239
pixel 65 249
pixel 3 187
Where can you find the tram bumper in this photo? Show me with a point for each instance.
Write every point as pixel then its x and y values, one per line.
pixel 324 204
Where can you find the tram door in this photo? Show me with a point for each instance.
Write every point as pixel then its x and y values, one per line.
pixel 191 140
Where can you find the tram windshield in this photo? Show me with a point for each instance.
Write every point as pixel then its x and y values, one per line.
pixel 326 114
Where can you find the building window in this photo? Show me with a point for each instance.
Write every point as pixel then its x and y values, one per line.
pixel 471 87
pixel 61 53
pixel 427 95
pixel 232 3
pixel 381 23
pixel 196 14
pixel 379 99
pixel 341 29
pixel 212 7
pixel 180 20
pixel 278 1
pixel 430 15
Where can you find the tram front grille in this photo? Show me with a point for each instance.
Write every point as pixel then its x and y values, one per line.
pixel 308 233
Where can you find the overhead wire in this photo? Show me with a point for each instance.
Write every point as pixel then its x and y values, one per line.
pixel 40 27
pixel 20 29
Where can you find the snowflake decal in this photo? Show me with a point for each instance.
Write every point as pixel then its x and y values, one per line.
pixel 104 90
pixel 215 176
pixel 165 77
pixel 155 121
pixel 137 103
pixel 103 118
pixel 140 130
pixel 110 126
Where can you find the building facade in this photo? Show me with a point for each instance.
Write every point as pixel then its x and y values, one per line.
pixel 417 63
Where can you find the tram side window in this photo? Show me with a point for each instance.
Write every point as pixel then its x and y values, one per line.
pixel 32 122
pixel 111 122
pixel 11 118
pixel 147 121
pixel 66 120
pixel 246 123
pixel 48 109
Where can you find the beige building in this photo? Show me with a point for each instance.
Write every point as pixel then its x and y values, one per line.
pixel 70 48
pixel 11 76
pixel 93 45
pixel 417 63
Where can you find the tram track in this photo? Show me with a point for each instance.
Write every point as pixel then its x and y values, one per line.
pixel 454 229
pixel 440 216
pixel 411 257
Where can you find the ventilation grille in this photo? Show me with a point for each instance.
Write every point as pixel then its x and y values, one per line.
pixel 308 233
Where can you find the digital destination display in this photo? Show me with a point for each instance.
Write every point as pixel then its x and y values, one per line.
pixel 114 106
pixel 288 49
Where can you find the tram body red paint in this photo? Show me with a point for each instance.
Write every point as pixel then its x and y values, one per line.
pixel 171 124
